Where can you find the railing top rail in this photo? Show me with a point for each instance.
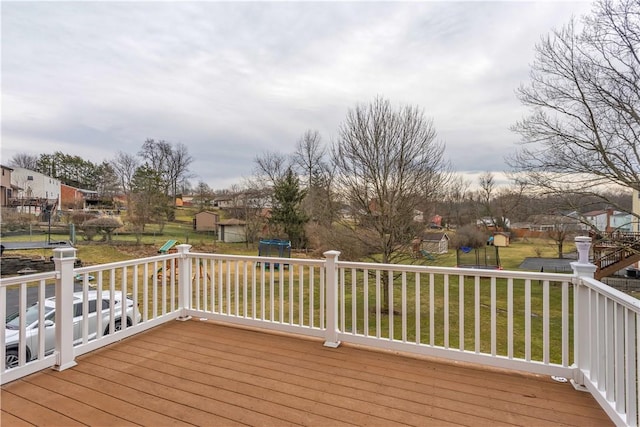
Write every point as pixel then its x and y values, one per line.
pixel 16 280
pixel 252 258
pixel 127 263
pixel 457 271
pixel 619 297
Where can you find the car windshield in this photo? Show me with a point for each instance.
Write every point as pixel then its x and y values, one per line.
pixel 13 321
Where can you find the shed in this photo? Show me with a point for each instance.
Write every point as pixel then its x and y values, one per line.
pixel 232 231
pixel 501 239
pixel 206 221
pixel 437 243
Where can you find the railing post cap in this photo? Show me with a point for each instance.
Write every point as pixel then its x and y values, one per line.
pixel 183 248
pixel 582 239
pixel 331 254
pixel 64 253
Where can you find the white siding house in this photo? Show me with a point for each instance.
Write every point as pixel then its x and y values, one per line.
pixel 34 185
pixel 635 208
pixel 609 220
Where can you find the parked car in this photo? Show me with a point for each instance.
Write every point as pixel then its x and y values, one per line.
pixel 12 331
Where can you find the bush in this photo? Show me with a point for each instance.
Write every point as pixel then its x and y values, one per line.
pixel 469 236
pixel 103 226
pixel 13 220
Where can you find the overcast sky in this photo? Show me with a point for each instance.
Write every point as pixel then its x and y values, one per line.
pixel 233 80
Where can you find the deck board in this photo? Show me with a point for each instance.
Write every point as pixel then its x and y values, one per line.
pixel 202 373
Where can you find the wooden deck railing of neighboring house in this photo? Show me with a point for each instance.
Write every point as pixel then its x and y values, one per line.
pixel 569 326
pixel 615 251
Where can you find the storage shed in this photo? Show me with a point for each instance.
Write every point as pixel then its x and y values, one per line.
pixel 232 231
pixel 501 239
pixel 435 243
pixel 206 221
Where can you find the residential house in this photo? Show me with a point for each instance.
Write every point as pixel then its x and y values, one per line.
pixel 223 202
pixel 635 210
pixel 6 190
pixel 608 220
pixel 542 225
pixel 36 192
pixel 489 223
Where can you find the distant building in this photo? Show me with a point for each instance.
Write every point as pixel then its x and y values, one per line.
pixel 6 189
pixel 635 208
pixel 435 243
pixel 609 220
pixel 36 192
pixel 232 231
pixel 501 239
pixel 206 221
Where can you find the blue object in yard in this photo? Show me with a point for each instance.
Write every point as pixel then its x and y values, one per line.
pixel 276 248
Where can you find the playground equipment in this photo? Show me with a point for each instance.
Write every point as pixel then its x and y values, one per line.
pixel 486 257
pixel 168 247
pixel 276 248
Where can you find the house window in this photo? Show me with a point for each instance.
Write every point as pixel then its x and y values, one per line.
pixel 29 178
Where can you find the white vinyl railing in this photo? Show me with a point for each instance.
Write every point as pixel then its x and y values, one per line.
pixel 509 319
pixel 555 324
pixel 275 293
pixel 608 348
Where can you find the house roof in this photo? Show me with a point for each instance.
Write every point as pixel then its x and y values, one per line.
pixel 594 213
pixel 232 221
pixel 434 237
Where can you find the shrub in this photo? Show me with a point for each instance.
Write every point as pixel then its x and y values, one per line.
pixel 469 236
pixel 103 226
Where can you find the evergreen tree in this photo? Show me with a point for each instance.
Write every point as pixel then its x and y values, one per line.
pixel 287 212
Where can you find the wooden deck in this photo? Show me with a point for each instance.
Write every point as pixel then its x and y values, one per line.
pixel 201 373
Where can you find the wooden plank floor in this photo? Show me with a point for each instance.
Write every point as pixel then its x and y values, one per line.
pixel 201 373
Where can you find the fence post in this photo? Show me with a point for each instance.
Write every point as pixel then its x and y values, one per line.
pixel 331 334
pixel 581 311
pixel 184 281
pixel 64 259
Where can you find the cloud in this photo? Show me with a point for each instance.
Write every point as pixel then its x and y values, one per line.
pixel 233 80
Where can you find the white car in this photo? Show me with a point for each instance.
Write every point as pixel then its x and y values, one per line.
pixel 12 331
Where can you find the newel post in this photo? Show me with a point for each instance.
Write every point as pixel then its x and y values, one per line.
pixel 331 334
pixel 184 281
pixel 64 259
pixel 582 313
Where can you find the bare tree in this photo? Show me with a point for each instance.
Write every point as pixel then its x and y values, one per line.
pixel 387 162
pixel 455 204
pixel 497 204
pixel 581 136
pixel 203 196
pixel 125 166
pixel 311 160
pixel 256 198
pixel 178 167
pixel 309 155
pixel 171 162
pixel 271 166
pixel 24 160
